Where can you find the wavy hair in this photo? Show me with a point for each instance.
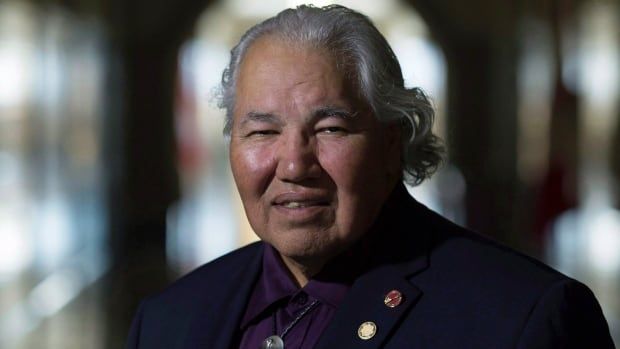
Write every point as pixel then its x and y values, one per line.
pixel 362 52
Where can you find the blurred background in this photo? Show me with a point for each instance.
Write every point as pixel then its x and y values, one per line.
pixel 114 178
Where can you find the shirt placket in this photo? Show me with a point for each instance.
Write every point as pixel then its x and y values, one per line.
pixel 296 336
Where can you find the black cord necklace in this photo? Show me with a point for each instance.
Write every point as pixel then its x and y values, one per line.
pixel 277 342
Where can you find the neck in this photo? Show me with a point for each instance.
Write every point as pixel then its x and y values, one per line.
pixel 302 272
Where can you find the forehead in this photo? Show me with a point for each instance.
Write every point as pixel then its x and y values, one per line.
pixel 274 71
pixel 271 52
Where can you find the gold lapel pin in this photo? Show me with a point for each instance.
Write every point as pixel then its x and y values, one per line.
pixel 367 330
pixel 393 298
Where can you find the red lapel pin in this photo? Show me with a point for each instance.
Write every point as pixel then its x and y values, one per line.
pixel 393 298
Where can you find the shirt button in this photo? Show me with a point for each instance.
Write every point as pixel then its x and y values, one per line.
pixel 301 299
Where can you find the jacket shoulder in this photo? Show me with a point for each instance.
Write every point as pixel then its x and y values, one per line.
pixel 166 319
pixel 486 293
pixel 464 253
pixel 212 274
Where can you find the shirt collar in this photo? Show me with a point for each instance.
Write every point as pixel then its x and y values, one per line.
pixel 276 284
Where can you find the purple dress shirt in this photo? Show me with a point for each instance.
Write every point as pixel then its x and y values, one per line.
pixel 277 300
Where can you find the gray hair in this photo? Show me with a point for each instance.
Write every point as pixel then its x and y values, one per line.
pixel 355 42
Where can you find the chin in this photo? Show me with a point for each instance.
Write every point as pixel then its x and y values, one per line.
pixel 312 249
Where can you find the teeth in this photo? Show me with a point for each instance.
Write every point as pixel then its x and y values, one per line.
pixel 293 204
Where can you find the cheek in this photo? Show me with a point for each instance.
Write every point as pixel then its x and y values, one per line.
pixel 251 167
pixel 353 166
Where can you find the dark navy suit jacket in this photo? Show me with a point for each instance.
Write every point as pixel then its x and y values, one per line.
pixel 460 290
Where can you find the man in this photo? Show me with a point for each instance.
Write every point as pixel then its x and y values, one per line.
pixel 322 133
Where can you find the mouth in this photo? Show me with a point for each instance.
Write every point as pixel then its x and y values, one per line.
pixel 300 201
pixel 301 204
pixel 302 208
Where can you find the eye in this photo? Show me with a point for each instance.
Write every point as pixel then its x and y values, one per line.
pixel 262 133
pixel 333 130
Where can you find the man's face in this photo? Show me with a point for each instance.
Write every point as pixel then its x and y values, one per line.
pixel 309 159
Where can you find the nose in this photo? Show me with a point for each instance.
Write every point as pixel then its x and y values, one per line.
pixel 297 159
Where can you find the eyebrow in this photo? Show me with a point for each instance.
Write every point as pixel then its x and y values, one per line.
pixel 261 117
pixel 318 113
pixel 333 111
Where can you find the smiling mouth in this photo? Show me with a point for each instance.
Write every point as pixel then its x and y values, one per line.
pixel 301 204
pixel 302 209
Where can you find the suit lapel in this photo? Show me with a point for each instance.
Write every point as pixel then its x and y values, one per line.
pixel 215 324
pixel 365 302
